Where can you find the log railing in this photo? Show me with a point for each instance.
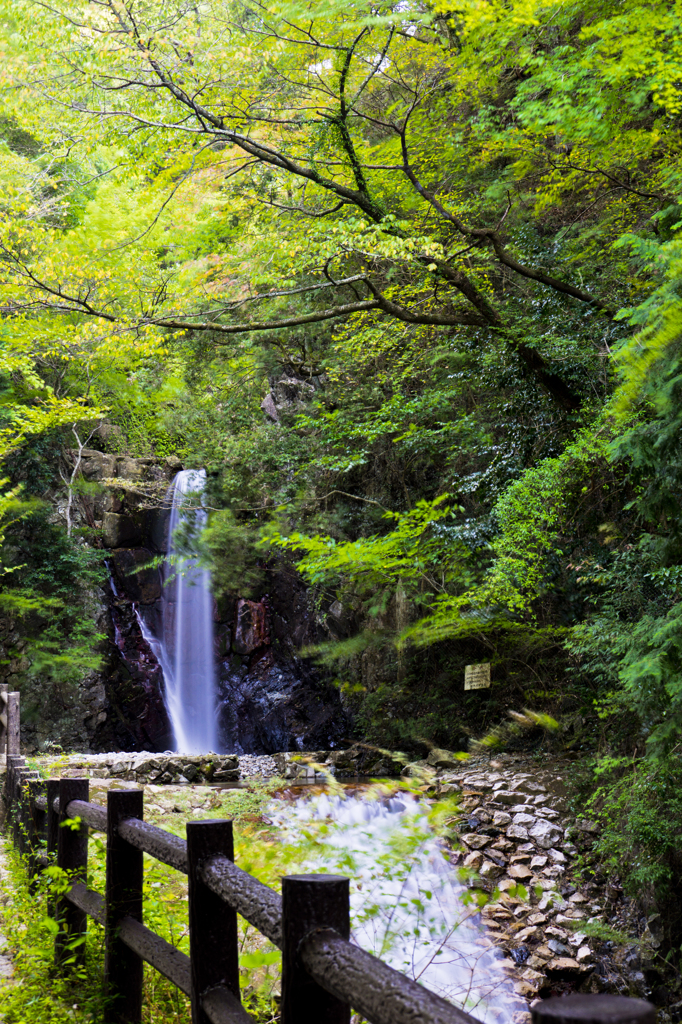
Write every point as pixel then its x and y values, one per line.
pixel 323 972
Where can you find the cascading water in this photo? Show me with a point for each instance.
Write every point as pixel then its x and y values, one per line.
pixel 185 648
pixel 408 905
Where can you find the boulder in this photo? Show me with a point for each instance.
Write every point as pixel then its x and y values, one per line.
pixel 289 394
pixel 131 469
pixel 108 431
pixel 268 406
pixel 442 759
pixel 96 465
pixel 120 531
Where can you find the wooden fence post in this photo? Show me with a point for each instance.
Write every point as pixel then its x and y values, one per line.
pixel 38 827
pixel 593 1009
pixel 123 969
pixel 72 857
pixel 3 718
pixel 310 902
pixel 52 836
pixel 13 724
pixel 52 818
pixel 213 942
pixel 24 777
pixel 13 791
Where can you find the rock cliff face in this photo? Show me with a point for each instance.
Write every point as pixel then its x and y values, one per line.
pixel 270 699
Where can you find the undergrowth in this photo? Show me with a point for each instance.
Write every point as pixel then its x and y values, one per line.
pixel 43 995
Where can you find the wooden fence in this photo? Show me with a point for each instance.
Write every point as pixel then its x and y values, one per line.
pixel 10 721
pixel 323 973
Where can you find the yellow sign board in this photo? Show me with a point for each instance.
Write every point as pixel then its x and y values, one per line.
pixel 477 677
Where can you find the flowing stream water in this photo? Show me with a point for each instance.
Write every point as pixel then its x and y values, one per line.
pixel 185 648
pixel 408 904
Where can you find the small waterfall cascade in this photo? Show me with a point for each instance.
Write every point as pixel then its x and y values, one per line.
pixel 185 649
pixel 408 904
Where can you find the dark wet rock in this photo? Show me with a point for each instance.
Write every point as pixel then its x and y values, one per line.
pixel 364 760
pixel 269 706
pixel 119 531
pixel 252 629
pixel 133 681
pixel 141 584
pixel 520 954
pixel 558 947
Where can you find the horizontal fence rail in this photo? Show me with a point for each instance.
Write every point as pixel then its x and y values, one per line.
pixel 323 972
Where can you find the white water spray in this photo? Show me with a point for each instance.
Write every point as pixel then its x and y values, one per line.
pixel 185 649
pixel 408 905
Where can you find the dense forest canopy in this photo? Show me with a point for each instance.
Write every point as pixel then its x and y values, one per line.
pixel 453 232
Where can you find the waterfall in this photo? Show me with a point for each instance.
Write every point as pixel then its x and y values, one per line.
pixel 185 649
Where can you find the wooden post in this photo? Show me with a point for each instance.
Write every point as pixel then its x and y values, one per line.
pixel 213 942
pixel 3 719
pixel 72 857
pixel 52 836
pixel 13 725
pixel 24 777
pixel 13 791
pixel 310 902
pixel 601 1009
pixel 38 826
pixel 122 967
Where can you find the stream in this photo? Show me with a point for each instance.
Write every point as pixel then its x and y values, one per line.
pixel 408 905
